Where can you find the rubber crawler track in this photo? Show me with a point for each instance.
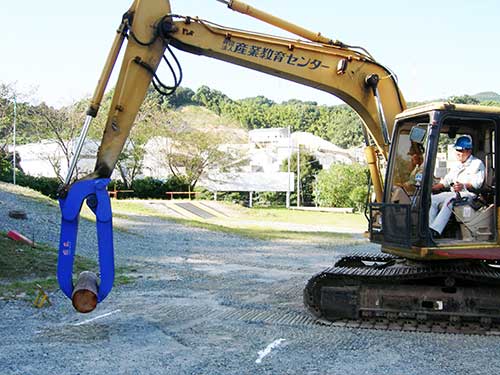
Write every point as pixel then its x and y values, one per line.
pixel 383 270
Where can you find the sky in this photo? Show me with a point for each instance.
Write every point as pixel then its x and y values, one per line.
pixel 54 50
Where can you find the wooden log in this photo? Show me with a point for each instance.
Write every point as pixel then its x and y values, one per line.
pixel 85 293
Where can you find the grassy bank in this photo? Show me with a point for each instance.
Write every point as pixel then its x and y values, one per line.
pixel 258 223
pixel 294 216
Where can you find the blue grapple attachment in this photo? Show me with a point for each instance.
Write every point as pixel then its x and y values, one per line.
pixel 88 291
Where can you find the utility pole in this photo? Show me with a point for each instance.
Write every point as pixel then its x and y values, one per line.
pixel 298 174
pixel 288 176
pixel 14 144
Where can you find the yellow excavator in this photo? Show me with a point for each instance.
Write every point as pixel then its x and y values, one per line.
pixel 452 281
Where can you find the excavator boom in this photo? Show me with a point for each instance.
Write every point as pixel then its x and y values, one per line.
pixel 340 71
pixel 358 286
pixel 318 62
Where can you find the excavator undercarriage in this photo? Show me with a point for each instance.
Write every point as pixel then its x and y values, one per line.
pixel 387 292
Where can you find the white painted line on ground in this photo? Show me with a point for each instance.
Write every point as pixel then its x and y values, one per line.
pixel 267 350
pixel 97 317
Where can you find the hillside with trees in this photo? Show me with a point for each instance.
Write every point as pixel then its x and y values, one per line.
pixel 487 96
pixel 196 122
pixel 338 124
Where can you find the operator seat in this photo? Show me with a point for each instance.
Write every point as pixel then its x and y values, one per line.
pixel 476 216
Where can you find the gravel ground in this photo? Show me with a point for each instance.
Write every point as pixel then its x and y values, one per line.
pixel 209 303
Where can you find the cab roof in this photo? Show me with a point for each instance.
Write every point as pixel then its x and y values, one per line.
pixel 448 106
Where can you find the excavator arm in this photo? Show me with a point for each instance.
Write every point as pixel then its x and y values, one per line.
pixel 149 26
pixel 143 54
pixel 333 68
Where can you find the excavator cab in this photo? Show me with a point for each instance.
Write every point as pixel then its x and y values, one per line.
pixel 450 284
pixel 421 154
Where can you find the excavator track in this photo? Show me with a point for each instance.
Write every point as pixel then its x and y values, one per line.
pixel 386 292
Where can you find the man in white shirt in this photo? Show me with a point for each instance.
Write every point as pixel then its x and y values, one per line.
pixel 468 174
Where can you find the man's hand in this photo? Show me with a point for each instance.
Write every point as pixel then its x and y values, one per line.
pixel 437 187
pixel 458 187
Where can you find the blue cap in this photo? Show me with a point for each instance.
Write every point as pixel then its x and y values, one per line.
pixel 463 143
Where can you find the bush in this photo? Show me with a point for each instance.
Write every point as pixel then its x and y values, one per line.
pixel 46 185
pixel 149 188
pixel 152 188
pixel 343 186
pixel 204 194
pixel 233 197
pixel 269 198
pixel 177 184
pixel 5 168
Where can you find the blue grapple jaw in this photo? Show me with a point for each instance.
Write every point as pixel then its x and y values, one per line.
pixel 89 291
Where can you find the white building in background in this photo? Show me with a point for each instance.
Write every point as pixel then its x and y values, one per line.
pixel 326 152
pixel 42 159
pixel 267 150
pixel 154 162
pixel 268 136
pixel 271 147
pixel 36 158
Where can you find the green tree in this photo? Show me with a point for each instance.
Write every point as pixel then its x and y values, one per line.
pixel 60 125
pixel 341 126
pixel 214 100
pixel 309 167
pixel 343 186
pixel 5 166
pixel 180 97
pixel 463 99
pixel 491 103
pixel 252 112
pixel 192 151
pixel 10 97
